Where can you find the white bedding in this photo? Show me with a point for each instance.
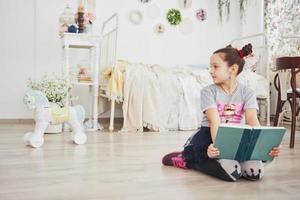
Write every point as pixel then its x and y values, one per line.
pixel 168 98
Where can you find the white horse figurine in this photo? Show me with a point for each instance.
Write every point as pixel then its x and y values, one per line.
pixel 44 114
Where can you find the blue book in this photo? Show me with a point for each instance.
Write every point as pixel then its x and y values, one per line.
pixel 243 143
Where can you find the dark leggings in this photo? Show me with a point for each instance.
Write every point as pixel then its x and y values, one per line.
pixel 195 153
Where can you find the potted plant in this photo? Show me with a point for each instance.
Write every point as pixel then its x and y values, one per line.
pixel 56 90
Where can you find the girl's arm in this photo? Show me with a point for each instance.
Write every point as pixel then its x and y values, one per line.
pixel 214 120
pixel 251 117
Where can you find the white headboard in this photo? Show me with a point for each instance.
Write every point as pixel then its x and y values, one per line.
pixel 109 36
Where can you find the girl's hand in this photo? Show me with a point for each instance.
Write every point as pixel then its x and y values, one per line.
pixel 275 151
pixel 212 152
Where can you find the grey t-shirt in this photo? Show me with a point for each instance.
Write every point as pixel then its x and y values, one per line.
pixel 231 107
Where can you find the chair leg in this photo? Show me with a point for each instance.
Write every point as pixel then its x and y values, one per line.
pixel 293 128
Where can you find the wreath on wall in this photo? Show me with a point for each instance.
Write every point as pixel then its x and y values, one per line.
pixel 174 17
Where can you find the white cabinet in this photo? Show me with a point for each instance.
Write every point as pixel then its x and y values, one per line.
pixel 91 43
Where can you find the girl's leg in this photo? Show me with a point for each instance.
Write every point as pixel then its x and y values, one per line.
pixel 228 170
pixel 252 170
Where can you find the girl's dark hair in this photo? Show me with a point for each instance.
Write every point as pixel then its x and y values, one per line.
pixel 234 56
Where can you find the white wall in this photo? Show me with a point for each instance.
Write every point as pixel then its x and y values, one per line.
pixel 253 21
pixel 30 45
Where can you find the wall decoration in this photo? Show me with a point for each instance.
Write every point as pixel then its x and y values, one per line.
pixel 186 26
pixel 274 14
pixel 159 28
pixel 135 17
pixel 185 4
pixel 174 17
pixel 224 6
pixel 201 15
pixel 153 11
pixel 144 1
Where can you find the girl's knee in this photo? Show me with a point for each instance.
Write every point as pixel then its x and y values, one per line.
pixel 252 170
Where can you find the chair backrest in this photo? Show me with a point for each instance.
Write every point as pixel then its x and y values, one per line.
pixel 287 68
pixel 281 83
pixel 287 63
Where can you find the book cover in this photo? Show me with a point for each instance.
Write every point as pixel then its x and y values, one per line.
pixel 243 143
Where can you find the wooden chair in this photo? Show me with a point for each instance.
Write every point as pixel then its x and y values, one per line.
pixel 288 68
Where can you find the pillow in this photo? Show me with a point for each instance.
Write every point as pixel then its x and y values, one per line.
pixel 251 62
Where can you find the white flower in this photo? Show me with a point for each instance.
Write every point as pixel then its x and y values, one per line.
pixel 55 88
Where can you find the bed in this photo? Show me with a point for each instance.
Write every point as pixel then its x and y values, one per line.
pixel 162 98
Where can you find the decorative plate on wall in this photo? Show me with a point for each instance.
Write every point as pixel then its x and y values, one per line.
pixel 135 17
pixel 186 26
pixel 185 4
pixel 159 28
pixel 153 11
pixel 201 14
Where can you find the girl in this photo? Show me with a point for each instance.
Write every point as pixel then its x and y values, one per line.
pixel 225 101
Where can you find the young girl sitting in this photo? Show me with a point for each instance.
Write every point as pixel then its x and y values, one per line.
pixel 225 101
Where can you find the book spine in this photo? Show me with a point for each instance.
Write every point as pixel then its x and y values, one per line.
pixel 254 136
pixel 243 146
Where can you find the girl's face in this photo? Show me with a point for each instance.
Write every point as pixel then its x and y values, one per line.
pixel 219 69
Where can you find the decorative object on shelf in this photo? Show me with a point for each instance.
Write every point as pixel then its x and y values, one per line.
pixel 144 1
pixel 135 17
pixel 159 29
pixel 185 4
pixel 153 11
pixel 201 14
pixel 83 75
pixel 73 29
pixel 66 19
pixel 80 18
pixel 224 7
pixel 89 17
pixel 174 17
pixel 186 26
pixel 45 114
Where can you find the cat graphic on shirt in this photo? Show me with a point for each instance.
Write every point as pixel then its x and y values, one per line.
pixel 230 113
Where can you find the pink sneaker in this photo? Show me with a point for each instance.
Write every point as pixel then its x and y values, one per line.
pixel 174 159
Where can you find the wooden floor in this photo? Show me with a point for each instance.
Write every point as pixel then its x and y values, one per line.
pixel 126 166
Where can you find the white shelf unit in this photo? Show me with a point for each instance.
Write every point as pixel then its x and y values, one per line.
pixel 92 44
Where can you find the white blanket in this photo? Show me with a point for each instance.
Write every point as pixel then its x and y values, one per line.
pixel 162 98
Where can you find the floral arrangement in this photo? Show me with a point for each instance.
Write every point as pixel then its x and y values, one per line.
pixel 174 16
pixel 89 17
pixel 55 88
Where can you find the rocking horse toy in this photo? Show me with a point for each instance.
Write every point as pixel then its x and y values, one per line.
pixel 44 114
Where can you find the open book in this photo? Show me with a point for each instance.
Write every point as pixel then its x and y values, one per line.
pixel 247 143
